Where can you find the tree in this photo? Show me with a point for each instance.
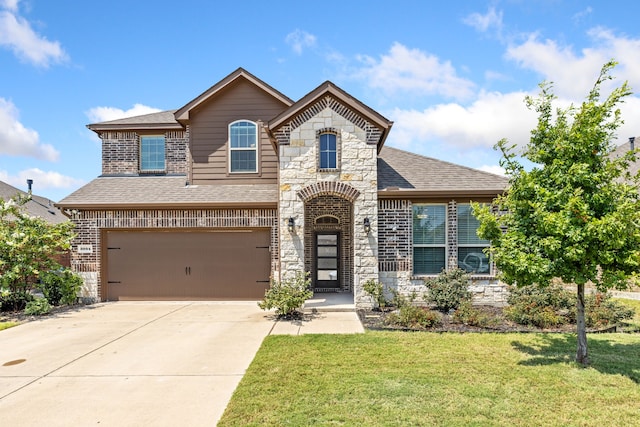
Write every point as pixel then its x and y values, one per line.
pixel 576 214
pixel 28 246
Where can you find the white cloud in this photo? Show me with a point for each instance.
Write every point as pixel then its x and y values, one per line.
pixel 16 34
pixel 494 169
pixel 17 140
pixel 42 180
pixel 104 114
pixel 414 71
pixel 482 23
pixel 299 40
pixel 491 117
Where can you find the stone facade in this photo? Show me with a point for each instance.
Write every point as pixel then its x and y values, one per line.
pixel 121 152
pixel 352 186
pixel 91 224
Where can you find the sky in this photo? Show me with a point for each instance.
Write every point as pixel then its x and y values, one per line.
pixel 452 76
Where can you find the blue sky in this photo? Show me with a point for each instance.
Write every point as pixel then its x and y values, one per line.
pixel 451 75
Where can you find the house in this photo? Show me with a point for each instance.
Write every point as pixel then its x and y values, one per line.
pixel 243 183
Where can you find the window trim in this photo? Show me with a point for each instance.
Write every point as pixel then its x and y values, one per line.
pixel 444 246
pixel 140 145
pixel 336 133
pixel 231 149
pixel 470 245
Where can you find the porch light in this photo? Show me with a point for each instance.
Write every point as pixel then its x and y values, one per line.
pixel 367 225
pixel 291 224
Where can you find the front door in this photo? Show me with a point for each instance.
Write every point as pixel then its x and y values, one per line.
pixel 327 260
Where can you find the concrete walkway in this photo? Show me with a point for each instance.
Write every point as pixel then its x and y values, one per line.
pixel 138 363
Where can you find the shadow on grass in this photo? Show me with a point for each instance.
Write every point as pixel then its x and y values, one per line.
pixel 607 356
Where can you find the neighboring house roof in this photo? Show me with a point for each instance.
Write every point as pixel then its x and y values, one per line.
pixel 328 88
pixel 37 206
pixel 183 113
pixel 167 191
pixel 404 174
pixel 160 120
pixel 621 150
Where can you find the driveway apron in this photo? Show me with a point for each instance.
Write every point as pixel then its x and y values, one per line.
pixel 128 364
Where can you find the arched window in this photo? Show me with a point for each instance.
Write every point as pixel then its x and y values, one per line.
pixel 243 147
pixel 327 220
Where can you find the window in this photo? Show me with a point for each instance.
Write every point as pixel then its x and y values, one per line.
pixel 328 151
pixel 429 238
pixel 470 247
pixel 152 154
pixel 243 147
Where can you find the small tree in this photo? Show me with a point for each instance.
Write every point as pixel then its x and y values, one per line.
pixel 574 216
pixel 28 246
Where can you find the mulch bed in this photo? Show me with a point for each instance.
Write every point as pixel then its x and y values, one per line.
pixel 378 320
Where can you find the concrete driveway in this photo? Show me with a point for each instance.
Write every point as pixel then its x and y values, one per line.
pixel 128 364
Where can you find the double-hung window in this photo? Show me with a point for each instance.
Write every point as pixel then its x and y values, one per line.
pixel 152 154
pixel 328 150
pixel 243 147
pixel 429 238
pixel 470 247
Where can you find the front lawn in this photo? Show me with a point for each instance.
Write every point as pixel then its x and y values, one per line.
pixel 417 378
pixel 7 325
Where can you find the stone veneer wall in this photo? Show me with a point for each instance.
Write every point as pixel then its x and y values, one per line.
pixel 395 222
pixel 89 226
pixel 120 152
pixel 298 169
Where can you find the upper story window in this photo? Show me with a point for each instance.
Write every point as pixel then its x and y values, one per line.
pixel 152 154
pixel 429 238
pixel 243 147
pixel 328 150
pixel 470 247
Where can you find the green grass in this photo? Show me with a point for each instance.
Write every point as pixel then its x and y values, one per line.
pixel 405 378
pixel 7 325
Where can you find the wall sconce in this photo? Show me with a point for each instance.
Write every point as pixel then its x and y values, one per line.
pixel 367 225
pixel 291 225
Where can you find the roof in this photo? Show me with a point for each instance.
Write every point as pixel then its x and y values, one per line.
pixel 38 206
pixel 166 191
pixel 329 88
pixel 160 120
pixel 621 150
pixel 401 173
pixel 183 113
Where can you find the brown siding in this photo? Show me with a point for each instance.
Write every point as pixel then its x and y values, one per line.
pixel 209 133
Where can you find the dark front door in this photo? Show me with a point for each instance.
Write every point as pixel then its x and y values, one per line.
pixel 327 260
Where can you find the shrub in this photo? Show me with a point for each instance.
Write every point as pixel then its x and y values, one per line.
pixel 14 301
pixel 411 316
pixel 538 306
pixel 288 296
pixel 601 310
pixel 467 314
pixel 60 287
pixel 37 307
pixel 448 290
pixel 376 290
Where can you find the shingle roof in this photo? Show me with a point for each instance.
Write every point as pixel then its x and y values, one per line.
pixel 403 172
pixel 621 150
pixel 37 206
pixel 167 191
pixel 160 120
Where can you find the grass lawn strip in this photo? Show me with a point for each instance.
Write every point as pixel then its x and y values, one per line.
pixel 408 378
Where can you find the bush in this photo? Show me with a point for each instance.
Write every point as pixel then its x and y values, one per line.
pixel 601 310
pixel 288 296
pixel 376 290
pixel 60 287
pixel 411 316
pixel 15 301
pixel 37 307
pixel 468 315
pixel 448 290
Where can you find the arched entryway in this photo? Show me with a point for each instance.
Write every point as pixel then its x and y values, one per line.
pixel 328 243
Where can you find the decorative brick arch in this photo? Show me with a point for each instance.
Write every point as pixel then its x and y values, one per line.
pixel 330 188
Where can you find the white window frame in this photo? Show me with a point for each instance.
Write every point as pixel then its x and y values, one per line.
pixel 482 245
pixel 140 154
pixel 444 245
pixel 236 149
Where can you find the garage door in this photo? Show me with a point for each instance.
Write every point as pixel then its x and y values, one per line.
pixel 187 265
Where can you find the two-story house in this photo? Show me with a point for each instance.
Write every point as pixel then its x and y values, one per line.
pixel 243 183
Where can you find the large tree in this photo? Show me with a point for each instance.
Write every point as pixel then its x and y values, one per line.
pixel 575 215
